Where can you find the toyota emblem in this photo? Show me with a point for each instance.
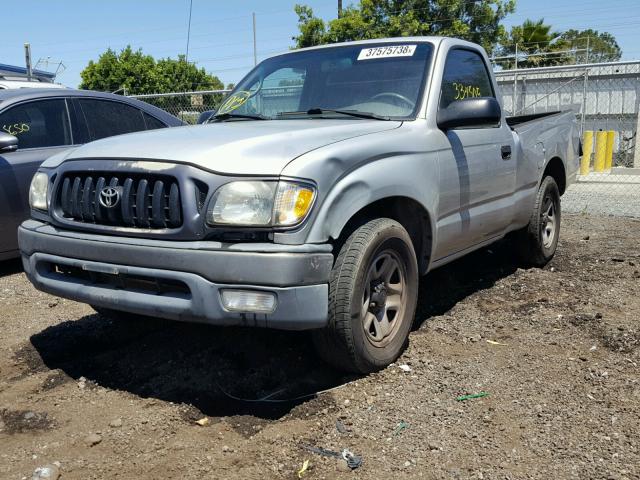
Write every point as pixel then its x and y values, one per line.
pixel 109 197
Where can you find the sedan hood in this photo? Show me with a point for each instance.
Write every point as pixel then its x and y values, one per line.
pixel 262 147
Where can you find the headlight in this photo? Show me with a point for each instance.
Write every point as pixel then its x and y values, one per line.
pixel 38 191
pixel 242 203
pixel 260 204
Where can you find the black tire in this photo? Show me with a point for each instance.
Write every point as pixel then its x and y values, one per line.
pixel 347 343
pixel 537 242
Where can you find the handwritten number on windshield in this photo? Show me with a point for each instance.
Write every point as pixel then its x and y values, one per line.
pixel 466 91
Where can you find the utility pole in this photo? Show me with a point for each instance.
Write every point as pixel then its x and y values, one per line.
pixel 189 30
pixel 339 8
pixel 255 53
pixel 515 82
pixel 27 59
pixel 587 59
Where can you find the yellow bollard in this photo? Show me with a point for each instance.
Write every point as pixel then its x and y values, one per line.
pixel 601 151
pixel 611 138
pixel 587 150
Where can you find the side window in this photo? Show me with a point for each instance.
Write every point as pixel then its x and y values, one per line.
pixel 38 124
pixel 106 118
pixel 152 122
pixel 465 76
pixel 78 122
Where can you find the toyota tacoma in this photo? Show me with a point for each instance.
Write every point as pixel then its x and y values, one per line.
pixel 327 182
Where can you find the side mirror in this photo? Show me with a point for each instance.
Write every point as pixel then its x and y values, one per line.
pixel 470 112
pixel 8 143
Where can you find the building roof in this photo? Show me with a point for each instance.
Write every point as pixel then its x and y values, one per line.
pixel 22 71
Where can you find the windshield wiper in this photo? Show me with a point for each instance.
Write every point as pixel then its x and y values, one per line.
pixel 226 116
pixel 350 113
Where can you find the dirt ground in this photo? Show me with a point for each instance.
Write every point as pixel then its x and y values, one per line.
pixel 557 350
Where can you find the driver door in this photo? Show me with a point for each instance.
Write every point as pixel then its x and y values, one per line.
pixel 477 171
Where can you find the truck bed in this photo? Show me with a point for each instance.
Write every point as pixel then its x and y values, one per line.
pixel 543 136
pixel 518 119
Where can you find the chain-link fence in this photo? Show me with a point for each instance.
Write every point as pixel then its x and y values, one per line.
pixel 187 106
pixel 605 99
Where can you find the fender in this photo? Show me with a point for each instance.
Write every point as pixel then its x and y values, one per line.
pixel 374 181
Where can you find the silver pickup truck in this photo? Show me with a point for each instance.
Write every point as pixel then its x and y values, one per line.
pixel 327 182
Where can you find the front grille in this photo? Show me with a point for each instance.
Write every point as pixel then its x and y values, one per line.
pixel 141 201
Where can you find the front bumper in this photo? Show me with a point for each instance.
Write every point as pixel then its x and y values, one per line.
pixel 179 280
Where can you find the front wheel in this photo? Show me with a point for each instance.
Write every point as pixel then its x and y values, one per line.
pixel 537 242
pixel 372 298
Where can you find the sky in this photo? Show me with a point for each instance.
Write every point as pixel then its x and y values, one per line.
pixel 221 40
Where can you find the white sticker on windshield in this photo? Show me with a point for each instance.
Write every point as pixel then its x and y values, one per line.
pixel 386 52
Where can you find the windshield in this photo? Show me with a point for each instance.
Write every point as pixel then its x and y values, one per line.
pixel 384 80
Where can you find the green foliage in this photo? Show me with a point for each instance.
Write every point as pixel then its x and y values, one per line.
pixel 477 21
pixel 534 37
pixel 138 73
pixel 312 29
pixel 602 47
pixel 182 76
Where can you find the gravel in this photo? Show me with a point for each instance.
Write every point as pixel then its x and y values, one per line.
pixel 555 406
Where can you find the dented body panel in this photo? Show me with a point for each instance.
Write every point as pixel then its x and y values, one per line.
pixel 456 190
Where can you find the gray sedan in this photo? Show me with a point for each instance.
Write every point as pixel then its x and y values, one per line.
pixel 38 123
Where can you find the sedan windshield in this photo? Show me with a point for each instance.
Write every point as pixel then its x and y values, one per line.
pixel 379 81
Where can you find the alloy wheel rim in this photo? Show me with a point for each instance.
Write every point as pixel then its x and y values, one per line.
pixel 549 222
pixel 383 298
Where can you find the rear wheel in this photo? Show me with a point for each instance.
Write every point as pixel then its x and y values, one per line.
pixel 538 241
pixel 372 298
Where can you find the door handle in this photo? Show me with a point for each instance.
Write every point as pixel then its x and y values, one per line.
pixel 505 150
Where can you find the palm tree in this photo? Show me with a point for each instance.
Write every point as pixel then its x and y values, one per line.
pixel 535 44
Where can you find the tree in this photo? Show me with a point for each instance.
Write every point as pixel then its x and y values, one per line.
pixel 312 29
pixel 539 46
pixel 535 44
pixel 182 76
pixel 128 70
pixel 593 46
pixel 137 73
pixel 477 21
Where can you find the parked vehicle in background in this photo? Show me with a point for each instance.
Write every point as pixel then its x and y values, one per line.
pixel 205 116
pixel 38 123
pixel 11 84
pixel 325 184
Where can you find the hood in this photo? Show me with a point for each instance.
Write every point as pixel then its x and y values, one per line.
pixel 243 147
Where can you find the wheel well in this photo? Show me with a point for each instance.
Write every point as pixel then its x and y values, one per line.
pixel 408 213
pixel 555 169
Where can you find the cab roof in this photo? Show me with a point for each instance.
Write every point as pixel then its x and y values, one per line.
pixel 435 40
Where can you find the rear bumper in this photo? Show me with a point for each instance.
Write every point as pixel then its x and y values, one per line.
pixel 179 280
